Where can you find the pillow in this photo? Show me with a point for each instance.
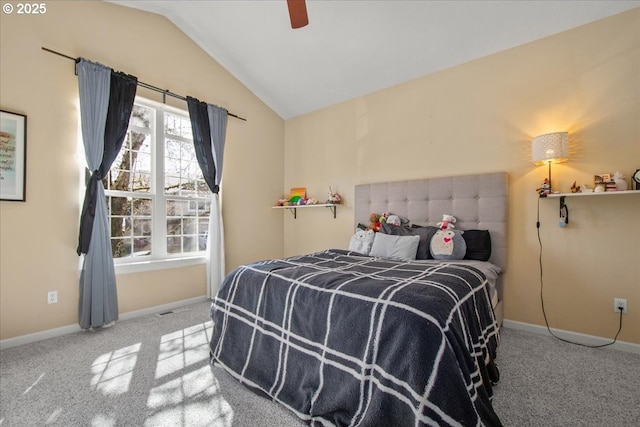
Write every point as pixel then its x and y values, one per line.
pixel 478 244
pixel 395 247
pixel 362 241
pixel 448 244
pixel 425 233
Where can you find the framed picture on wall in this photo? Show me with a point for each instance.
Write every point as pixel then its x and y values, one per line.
pixel 13 156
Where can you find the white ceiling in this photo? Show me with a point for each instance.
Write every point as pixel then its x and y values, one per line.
pixel 354 47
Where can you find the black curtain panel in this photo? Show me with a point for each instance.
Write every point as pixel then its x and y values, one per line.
pixel 122 93
pixel 121 97
pixel 198 113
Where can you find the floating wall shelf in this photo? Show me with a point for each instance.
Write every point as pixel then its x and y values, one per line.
pixel 562 196
pixel 604 193
pixel 293 209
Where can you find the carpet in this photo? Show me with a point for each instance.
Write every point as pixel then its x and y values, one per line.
pixel 154 371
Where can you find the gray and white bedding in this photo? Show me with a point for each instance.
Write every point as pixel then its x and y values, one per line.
pixel 343 339
pixel 490 271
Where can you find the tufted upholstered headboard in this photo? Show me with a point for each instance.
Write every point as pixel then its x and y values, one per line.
pixel 477 202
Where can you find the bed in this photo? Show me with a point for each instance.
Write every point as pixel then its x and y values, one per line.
pixel 341 338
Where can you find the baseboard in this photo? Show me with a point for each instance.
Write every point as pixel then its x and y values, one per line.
pixel 572 336
pixel 64 330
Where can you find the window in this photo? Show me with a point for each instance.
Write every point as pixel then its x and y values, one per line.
pixel 158 203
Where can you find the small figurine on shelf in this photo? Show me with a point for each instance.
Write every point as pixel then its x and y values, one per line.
pixel 620 181
pixel 545 190
pixel 333 198
pixel 575 188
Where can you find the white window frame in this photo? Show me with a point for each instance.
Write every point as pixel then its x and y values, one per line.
pixel 159 258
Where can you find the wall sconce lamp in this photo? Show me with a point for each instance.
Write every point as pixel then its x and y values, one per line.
pixel 550 148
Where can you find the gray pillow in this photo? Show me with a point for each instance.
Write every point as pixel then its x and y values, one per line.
pixel 425 233
pixel 395 247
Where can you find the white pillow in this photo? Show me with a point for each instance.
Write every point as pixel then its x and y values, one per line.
pixel 395 247
pixel 362 241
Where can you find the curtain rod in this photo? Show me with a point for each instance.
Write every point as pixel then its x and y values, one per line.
pixel 164 92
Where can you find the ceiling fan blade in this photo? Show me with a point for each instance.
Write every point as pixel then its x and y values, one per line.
pixel 298 13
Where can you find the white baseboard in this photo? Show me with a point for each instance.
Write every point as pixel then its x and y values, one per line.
pixel 64 330
pixel 572 336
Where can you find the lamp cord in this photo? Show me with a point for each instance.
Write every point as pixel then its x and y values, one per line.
pixel 544 313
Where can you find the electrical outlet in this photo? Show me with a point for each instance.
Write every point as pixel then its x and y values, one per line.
pixel 619 303
pixel 52 297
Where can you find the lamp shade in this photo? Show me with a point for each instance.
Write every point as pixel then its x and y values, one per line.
pixel 550 148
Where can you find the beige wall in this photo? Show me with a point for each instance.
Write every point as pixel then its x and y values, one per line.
pixel 480 117
pixel 38 238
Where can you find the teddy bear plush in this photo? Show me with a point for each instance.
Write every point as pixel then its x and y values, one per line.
pixel 374 222
pixel 362 241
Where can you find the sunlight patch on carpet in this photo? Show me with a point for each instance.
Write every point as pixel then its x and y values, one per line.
pixel 33 385
pixel 102 420
pixel 54 416
pixel 183 348
pixel 194 399
pixel 112 371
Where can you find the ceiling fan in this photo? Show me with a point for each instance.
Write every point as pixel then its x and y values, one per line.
pixel 298 13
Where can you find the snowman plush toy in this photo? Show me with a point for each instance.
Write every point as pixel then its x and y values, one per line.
pixel 448 243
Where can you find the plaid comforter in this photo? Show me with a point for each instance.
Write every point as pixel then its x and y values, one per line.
pixel 345 339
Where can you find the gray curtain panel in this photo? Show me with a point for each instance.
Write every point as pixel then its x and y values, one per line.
pixel 215 241
pixel 103 130
pixel 218 125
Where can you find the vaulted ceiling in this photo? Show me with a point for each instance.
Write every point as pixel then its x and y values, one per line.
pixel 354 47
